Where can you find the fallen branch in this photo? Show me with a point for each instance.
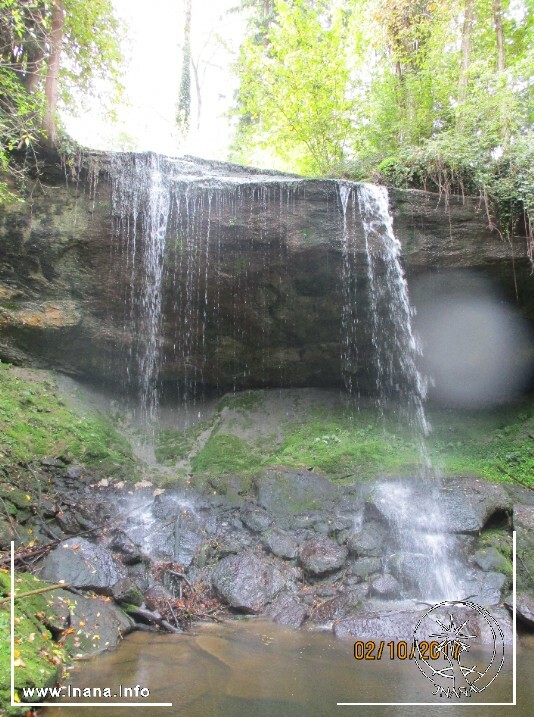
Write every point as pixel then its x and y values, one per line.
pixel 514 478
pixel 154 617
pixel 29 593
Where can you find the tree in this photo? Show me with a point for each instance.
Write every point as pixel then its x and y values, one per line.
pixel 57 28
pixel 51 52
pixel 294 99
pixel 409 92
pixel 183 114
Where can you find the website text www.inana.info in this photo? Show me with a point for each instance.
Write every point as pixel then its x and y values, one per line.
pixel 42 693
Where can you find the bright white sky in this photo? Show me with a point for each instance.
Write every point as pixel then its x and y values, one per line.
pixel 152 47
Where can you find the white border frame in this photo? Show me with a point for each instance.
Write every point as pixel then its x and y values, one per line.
pixel 56 704
pixel 339 704
pixel 467 704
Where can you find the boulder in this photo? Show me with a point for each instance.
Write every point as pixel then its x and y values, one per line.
pixel 523 517
pixel 286 493
pixel 524 608
pixel 282 544
pixel 401 624
pixel 363 567
pixel 484 588
pixel 256 519
pixel 370 541
pixel 465 504
pixel 96 623
pixel 410 568
pixel 321 555
pixel 83 565
pixel 341 605
pixel 468 504
pixel 385 586
pixel 126 591
pixel 247 582
pixel 287 609
pixel 490 559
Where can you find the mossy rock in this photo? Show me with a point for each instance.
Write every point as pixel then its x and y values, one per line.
pixel 38 659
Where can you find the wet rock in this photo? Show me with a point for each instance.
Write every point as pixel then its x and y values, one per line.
pixel 129 551
pixel 6 535
pixel 468 503
pixel 304 521
pixel 97 624
pixel 74 472
pixel 341 605
pixel 384 625
pixel 288 610
pixel 363 567
pixel 322 555
pixel 50 257
pixel 410 569
pixel 282 544
pixel 485 588
pixel 126 591
pixel 68 522
pixel 524 608
pixel 489 559
pixel 186 544
pixel 247 582
pixel 369 541
pixel 385 586
pixel 288 493
pixel 339 523
pixel 256 519
pixel 523 518
pixel 83 565
pixel 52 463
pixel 400 625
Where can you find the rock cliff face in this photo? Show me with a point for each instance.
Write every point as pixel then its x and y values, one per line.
pixel 249 267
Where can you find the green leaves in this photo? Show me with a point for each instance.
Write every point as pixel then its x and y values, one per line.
pixel 401 91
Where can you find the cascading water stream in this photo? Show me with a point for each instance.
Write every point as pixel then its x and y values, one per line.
pixel 412 508
pixel 170 224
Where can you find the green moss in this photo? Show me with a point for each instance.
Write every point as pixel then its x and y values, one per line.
pixel 34 423
pixel 347 444
pixel 38 660
pixel 227 454
pixel 244 401
pixel 174 445
pixel 486 443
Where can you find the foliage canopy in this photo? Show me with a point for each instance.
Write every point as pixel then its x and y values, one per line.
pixel 406 92
pixel 50 51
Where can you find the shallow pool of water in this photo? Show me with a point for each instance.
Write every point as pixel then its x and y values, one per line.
pixel 253 668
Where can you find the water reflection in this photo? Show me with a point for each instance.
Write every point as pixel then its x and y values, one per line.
pixel 253 668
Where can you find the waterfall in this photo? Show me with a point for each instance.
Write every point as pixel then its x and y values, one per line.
pixel 420 542
pixel 171 219
pixel 141 208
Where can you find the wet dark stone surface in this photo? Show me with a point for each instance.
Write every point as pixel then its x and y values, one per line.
pixel 287 609
pixel 369 541
pixel 274 240
pixel 321 555
pixel 83 565
pixel 247 582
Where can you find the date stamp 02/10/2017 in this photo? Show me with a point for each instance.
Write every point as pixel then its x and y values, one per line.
pixel 441 648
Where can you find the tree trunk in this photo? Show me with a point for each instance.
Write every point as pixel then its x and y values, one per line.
pixel 467 32
pixel 499 33
pixel 194 65
pixel 51 82
pixel 184 100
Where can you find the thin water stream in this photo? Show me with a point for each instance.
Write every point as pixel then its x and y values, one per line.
pixel 254 668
